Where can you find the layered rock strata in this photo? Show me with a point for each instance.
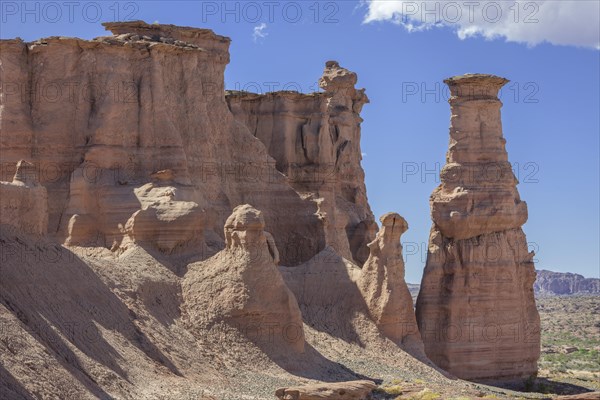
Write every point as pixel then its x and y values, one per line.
pixel 476 309
pixel 315 141
pixel 100 118
pixel 24 202
pixel 242 287
pixel 164 221
pixel 134 147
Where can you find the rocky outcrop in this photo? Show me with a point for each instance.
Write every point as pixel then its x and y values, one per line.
pixel 242 287
pixel 478 194
pixel 353 390
pixel 24 202
pixel 476 309
pixel 564 283
pixel 102 118
pixel 165 222
pixel 181 36
pixel 383 286
pixel 367 305
pixel 315 141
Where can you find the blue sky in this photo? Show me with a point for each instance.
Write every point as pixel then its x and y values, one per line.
pixel 548 50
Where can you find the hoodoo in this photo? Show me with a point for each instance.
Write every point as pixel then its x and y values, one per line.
pixel 476 309
pixel 315 141
pixel 242 287
pixel 383 286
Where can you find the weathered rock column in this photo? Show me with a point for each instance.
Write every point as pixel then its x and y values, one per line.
pixel 476 308
pixel 242 288
pixel 315 141
pixel 383 286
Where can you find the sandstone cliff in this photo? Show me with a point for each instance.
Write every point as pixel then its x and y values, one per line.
pixel 476 309
pixel 315 141
pixel 24 202
pixel 99 119
pixel 118 279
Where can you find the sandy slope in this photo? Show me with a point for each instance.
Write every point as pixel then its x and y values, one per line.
pixel 87 324
pixel 90 325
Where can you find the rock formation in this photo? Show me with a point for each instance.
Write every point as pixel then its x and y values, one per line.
pixel 559 283
pixel 353 390
pixel 383 286
pixel 24 202
pixel 101 118
pixel 100 131
pixel 360 304
pixel 126 275
pixel 242 287
pixel 478 194
pixel 476 309
pixel 315 141
pixel 165 223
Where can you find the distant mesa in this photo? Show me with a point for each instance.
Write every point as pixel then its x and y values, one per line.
pixel 564 283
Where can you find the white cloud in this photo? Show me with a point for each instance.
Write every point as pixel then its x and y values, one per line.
pixel 259 32
pixel 564 22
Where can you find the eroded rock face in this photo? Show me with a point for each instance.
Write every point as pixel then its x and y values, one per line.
pixel 101 118
pixel 315 141
pixel 478 194
pixel 383 286
pixel 242 287
pixel 368 305
pixel 476 309
pixel 172 34
pixel 24 202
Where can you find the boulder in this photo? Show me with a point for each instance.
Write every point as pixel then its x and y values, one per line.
pixel 351 390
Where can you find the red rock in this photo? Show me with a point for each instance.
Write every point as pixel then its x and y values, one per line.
pixel 476 308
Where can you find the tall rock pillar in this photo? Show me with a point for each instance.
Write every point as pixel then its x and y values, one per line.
pixel 383 286
pixel 476 309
